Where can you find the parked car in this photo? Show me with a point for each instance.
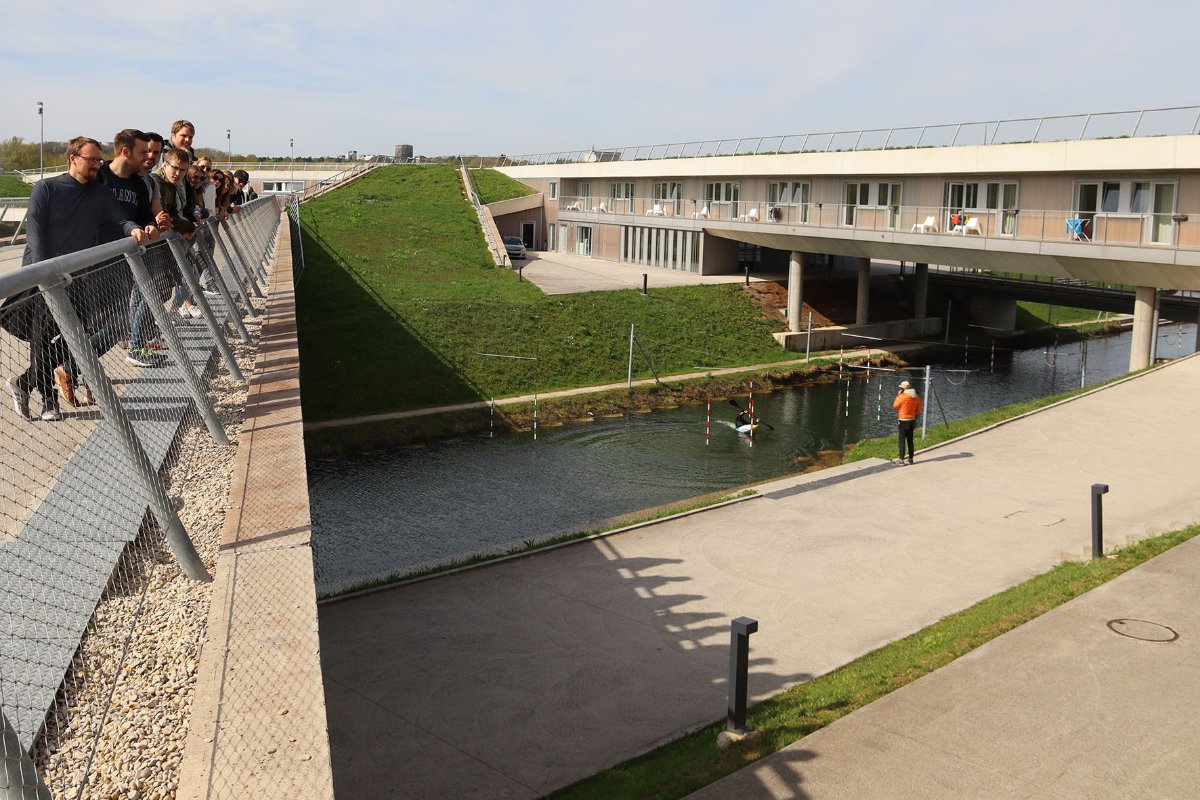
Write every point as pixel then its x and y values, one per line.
pixel 514 246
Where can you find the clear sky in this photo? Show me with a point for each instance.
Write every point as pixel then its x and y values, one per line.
pixel 465 76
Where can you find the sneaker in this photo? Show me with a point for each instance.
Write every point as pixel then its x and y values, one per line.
pixel 51 414
pixel 908 461
pixel 20 398
pixel 184 312
pixel 142 357
pixel 66 385
pixel 195 312
pixel 211 293
pixel 898 461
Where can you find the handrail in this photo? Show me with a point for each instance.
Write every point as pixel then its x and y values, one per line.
pixel 988 132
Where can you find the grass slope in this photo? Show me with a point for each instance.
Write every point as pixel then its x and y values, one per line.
pixel 493 186
pixel 13 186
pixel 399 298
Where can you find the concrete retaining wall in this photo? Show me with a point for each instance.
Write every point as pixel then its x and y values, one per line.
pixel 832 338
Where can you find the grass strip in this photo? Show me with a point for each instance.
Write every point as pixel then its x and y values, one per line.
pixel 533 545
pixel 695 761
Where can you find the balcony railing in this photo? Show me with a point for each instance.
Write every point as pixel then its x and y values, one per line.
pixel 1175 121
pixel 1020 224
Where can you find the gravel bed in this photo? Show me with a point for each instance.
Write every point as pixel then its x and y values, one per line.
pixel 148 630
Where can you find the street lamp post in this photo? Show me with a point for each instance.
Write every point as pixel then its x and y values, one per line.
pixel 41 143
pixel 292 180
pixel 228 148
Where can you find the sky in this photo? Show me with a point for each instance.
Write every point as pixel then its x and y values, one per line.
pixel 468 77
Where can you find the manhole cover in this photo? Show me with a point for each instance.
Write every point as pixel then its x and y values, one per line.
pixel 1143 630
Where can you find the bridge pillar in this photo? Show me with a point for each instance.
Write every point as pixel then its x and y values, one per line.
pixel 795 290
pixel 920 290
pixel 1143 326
pixel 864 291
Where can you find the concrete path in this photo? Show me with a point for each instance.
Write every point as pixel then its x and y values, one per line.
pixel 522 677
pixel 567 273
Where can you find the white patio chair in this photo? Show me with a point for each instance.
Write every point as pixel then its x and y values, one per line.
pixel 928 226
pixel 972 227
pixel 702 213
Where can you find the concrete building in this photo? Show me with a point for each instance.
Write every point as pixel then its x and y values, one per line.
pixel 404 153
pixel 1117 210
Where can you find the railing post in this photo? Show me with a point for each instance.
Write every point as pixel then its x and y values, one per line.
pixel 145 283
pixel 110 406
pixel 234 271
pixel 18 777
pixel 193 284
pixel 739 664
pixel 241 255
pixel 222 289
pixel 1098 489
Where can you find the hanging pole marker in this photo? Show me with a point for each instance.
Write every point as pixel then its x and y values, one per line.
pixel 751 413
pixel 708 423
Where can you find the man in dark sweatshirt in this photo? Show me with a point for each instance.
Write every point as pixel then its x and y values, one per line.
pixel 65 214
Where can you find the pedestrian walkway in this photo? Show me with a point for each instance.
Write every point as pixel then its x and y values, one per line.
pixel 518 678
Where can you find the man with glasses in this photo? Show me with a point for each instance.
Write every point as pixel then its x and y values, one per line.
pixel 66 213
pixel 101 295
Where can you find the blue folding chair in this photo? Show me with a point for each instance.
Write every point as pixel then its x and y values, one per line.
pixel 1077 230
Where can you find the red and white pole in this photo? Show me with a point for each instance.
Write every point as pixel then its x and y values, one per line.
pixel 841 356
pixel 752 413
pixel 708 423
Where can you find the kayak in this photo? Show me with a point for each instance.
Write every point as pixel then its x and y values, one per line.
pixel 747 428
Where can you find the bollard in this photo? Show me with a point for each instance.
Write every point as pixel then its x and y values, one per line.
pixel 739 661
pixel 645 280
pixel 1098 489
pixel 747 274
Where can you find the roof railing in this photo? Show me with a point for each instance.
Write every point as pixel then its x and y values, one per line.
pixel 1141 123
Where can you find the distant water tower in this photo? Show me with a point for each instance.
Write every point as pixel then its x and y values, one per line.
pixel 404 152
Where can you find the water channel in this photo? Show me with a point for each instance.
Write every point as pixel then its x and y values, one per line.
pixel 387 513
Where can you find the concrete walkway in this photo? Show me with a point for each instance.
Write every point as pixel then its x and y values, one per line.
pixel 522 677
pixel 567 273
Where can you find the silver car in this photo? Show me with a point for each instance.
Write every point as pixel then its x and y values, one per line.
pixel 514 246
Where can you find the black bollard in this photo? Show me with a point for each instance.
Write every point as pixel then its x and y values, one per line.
pixel 1098 489
pixel 645 280
pixel 739 662
pixel 747 274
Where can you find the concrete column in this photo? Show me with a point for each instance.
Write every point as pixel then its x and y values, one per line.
pixel 864 291
pixel 795 290
pixel 1143 325
pixel 920 290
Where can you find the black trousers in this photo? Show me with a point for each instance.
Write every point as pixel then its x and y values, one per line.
pixel 905 436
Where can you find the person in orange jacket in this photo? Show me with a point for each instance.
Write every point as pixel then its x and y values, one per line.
pixel 908 406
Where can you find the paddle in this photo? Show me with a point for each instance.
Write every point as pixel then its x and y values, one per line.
pixel 738 406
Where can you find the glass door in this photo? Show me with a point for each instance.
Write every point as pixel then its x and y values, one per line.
pixel 583 241
pixel 1164 209
pixel 953 202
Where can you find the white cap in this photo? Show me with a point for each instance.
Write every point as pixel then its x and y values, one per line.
pixel 905 384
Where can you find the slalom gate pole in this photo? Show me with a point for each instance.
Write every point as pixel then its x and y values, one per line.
pixel 879 402
pixel 841 356
pixel 751 412
pixel 992 368
pixel 492 421
pixel 708 423
pixel 535 416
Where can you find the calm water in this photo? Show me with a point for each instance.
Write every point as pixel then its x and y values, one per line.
pixel 380 514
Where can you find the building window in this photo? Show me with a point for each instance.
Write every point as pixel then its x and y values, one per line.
pixel 583 240
pixel 553 190
pixel 585 195
pixel 857 194
pixel 669 197
pixel 620 197
pixel 722 194
pixel 889 198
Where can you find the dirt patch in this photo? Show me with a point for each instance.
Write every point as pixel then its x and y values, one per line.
pixel 772 296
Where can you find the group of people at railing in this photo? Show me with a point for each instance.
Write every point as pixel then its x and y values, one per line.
pixel 99 201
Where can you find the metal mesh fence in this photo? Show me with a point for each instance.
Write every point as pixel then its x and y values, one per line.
pixel 119 424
